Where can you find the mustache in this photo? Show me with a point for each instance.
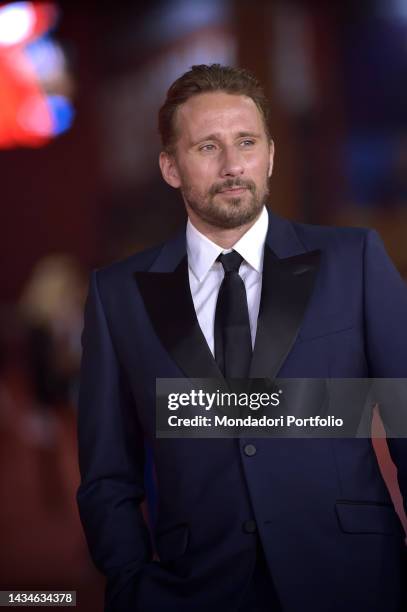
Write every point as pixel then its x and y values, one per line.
pixel 230 184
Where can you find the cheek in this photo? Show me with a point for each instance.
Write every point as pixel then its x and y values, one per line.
pixel 258 165
pixel 199 177
pixel 259 174
pixel 265 171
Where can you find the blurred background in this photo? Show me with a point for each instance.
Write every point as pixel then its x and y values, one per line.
pixel 80 87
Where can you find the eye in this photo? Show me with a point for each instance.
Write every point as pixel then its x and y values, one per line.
pixel 247 142
pixel 207 147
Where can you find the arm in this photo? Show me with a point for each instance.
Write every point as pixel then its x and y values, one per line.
pixel 385 312
pixel 111 459
pixel 386 343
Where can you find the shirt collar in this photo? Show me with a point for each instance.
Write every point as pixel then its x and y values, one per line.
pixel 202 252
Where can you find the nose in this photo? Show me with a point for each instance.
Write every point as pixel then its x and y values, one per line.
pixel 231 163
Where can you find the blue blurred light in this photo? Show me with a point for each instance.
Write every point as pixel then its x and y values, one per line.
pixel 62 113
pixel 171 20
pixel 394 9
pixel 47 57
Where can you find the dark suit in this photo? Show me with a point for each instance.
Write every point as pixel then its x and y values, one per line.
pixel 332 305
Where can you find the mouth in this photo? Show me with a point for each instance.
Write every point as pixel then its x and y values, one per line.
pixel 234 191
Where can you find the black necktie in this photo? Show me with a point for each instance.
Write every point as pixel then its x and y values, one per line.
pixel 233 345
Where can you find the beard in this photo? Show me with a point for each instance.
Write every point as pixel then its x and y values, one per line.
pixel 228 212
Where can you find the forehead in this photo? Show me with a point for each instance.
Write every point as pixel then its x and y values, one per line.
pixel 217 112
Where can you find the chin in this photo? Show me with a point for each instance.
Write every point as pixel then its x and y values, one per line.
pixel 232 222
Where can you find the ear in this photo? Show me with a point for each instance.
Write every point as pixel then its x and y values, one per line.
pixel 169 169
pixel 271 159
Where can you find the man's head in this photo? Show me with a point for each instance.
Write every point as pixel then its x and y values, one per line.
pixel 216 144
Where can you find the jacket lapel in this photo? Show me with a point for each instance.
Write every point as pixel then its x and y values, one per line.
pixel 289 272
pixel 167 297
pixel 286 288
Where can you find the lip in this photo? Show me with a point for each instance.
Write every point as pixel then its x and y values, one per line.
pixel 234 190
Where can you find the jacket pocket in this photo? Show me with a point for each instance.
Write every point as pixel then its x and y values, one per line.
pixel 172 543
pixel 324 329
pixel 367 517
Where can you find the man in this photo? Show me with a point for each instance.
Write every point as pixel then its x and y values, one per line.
pixel 243 524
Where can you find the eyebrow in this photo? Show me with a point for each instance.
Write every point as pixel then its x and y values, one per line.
pixel 217 137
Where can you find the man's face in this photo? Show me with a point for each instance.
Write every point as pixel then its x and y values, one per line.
pixel 223 159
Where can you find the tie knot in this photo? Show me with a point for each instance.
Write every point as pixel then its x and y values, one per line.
pixel 230 261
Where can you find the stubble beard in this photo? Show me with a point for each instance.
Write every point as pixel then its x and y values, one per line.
pixel 230 212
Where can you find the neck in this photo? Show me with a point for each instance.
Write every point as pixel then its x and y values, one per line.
pixel 225 238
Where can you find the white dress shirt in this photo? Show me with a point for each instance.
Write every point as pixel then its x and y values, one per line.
pixel 206 274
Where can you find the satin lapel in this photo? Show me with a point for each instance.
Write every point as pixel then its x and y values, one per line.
pixel 286 288
pixel 167 298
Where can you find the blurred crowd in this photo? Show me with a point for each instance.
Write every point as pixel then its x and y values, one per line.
pixel 40 346
pixel 40 350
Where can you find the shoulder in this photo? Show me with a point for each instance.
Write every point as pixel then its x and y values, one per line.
pixel 291 237
pixel 334 238
pixel 136 262
pixel 115 278
pixel 113 283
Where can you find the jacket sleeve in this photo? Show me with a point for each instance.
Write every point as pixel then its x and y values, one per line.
pixel 386 339
pixel 385 312
pixel 111 460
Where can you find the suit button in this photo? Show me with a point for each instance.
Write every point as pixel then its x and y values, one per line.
pixel 249 526
pixel 250 450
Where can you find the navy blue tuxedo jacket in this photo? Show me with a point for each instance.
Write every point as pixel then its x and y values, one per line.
pixel 332 305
